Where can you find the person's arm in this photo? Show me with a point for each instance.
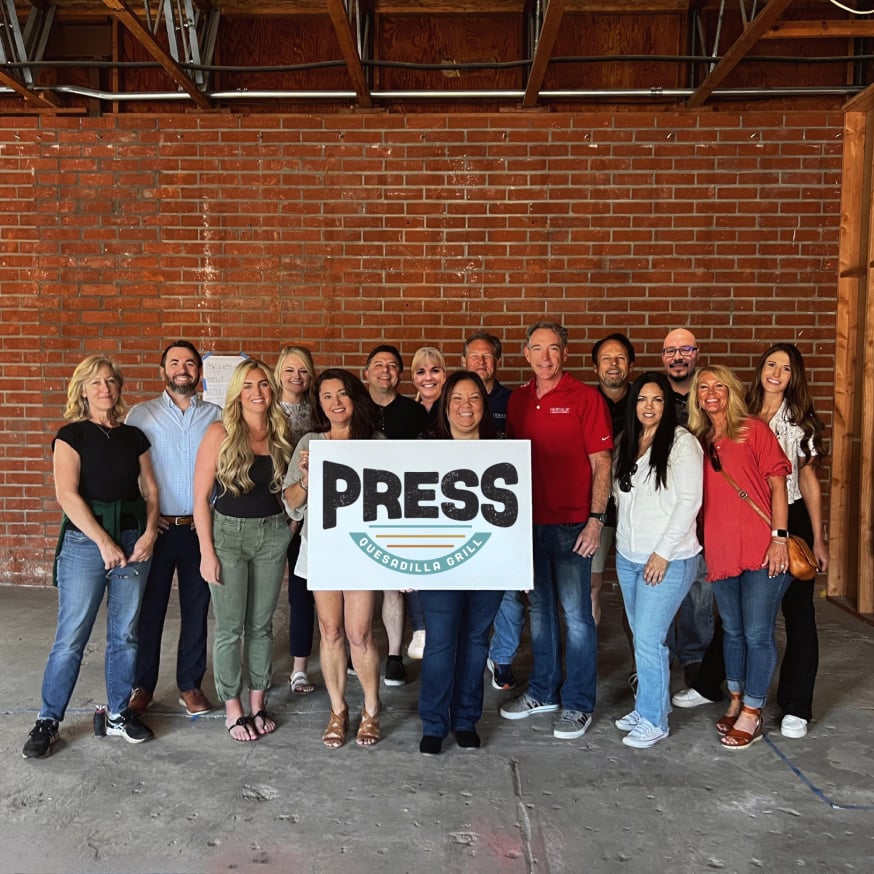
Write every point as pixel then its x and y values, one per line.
pixel 204 480
pixel 811 492
pixel 777 557
pixel 145 544
pixel 67 468
pixel 590 537
pixel 295 490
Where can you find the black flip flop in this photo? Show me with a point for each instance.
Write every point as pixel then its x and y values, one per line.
pixel 248 722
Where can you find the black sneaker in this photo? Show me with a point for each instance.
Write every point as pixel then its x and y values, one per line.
pixel 128 726
pixel 395 673
pixel 502 676
pixel 40 739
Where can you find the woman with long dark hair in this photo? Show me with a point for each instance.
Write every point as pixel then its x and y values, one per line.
pixel 746 560
pixel 458 622
pixel 779 397
pixel 343 411
pixel 658 490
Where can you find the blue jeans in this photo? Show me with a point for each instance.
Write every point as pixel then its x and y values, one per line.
pixel 508 629
pixel 456 646
pixel 693 629
pixel 176 551
pixel 561 576
pixel 748 606
pixel 651 609
pixel 82 583
pixel 415 611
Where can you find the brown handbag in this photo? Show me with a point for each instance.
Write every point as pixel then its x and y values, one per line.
pixel 802 562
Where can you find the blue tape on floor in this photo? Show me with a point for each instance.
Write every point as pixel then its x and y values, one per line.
pixel 814 789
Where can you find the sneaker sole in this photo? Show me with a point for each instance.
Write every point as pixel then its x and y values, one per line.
pixel 686 704
pixel 794 735
pixel 642 745
pixel 195 712
pixel 394 682
pixel 45 755
pixel 117 732
pixel 569 735
pixel 501 688
pixel 544 708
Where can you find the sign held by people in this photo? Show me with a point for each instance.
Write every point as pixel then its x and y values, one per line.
pixel 419 514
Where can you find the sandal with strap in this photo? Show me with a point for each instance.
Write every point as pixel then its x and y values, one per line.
pixel 335 734
pixel 300 683
pixel 726 723
pixel 243 722
pixel 369 732
pixel 266 719
pixel 737 738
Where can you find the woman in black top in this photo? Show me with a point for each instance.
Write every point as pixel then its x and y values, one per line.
pixel 106 488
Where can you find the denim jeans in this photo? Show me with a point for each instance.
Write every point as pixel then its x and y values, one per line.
pixel 562 577
pixel 693 629
pixel 415 611
pixel 650 610
pixel 176 551
pixel 252 553
pixel 82 583
pixel 508 629
pixel 748 606
pixel 456 646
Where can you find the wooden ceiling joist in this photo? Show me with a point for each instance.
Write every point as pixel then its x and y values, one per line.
pixel 37 100
pixel 738 51
pixel 124 14
pixel 349 49
pixel 820 30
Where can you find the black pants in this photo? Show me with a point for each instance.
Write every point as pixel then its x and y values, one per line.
pixel 801 657
pixel 176 550
pixel 302 607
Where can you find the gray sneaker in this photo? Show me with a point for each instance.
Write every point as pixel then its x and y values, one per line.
pixel 524 706
pixel 571 724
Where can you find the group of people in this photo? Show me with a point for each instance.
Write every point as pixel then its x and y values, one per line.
pixel 218 498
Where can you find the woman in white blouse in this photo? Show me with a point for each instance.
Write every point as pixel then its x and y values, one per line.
pixel 780 398
pixel 658 490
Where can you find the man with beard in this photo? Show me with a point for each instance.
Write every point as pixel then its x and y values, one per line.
pixel 693 628
pixel 175 423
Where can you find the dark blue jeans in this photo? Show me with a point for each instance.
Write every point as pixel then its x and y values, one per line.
pixel 176 550
pixel 456 648
pixel 301 607
pixel 562 577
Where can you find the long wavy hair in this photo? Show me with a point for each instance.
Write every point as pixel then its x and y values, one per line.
pixel 235 455
pixel 442 429
pixel 364 412
pixel 307 357
pixel 798 402
pixel 421 357
pixel 662 443
pixel 77 409
pixel 736 413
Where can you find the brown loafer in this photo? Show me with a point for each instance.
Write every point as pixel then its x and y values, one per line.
pixel 139 701
pixel 194 702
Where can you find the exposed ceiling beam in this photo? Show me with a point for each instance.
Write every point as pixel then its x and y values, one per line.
pixel 742 46
pixel 40 100
pixel 349 50
pixel 820 30
pixel 123 13
pixel 543 51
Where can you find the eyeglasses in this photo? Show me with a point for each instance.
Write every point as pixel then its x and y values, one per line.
pixel 124 573
pixel 625 480
pixel 714 458
pixel 684 351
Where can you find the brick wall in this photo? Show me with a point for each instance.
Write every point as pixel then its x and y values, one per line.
pixel 245 232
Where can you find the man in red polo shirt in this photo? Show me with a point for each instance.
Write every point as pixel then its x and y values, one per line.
pixel 571 437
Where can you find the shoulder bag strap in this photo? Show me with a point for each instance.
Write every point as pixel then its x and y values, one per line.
pixel 744 496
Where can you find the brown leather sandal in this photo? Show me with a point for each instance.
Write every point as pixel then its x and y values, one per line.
pixel 726 722
pixel 335 734
pixel 737 738
pixel 369 732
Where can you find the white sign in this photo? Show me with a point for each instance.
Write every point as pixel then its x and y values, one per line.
pixel 419 514
pixel 217 370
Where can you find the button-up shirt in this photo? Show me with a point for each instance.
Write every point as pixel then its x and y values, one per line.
pixel 175 437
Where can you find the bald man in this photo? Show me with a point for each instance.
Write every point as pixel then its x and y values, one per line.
pixel 680 358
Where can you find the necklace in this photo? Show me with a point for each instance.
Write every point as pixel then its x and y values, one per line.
pixel 104 430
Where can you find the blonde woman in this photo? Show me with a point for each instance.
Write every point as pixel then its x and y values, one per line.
pixel 243 542
pixel 295 375
pixel 106 487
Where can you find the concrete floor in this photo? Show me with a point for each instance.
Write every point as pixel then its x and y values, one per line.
pixel 193 801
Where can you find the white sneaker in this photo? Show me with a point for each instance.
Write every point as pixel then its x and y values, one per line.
pixel 628 722
pixel 690 698
pixel 644 735
pixel 793 726
pixel 416 649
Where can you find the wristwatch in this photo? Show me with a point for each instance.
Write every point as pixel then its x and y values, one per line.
pixel 779 532
pixel 601 517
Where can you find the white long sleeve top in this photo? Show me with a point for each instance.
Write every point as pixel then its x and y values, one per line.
pixel 662 520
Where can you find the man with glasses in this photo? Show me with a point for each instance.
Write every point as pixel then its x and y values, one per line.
pixel 693 628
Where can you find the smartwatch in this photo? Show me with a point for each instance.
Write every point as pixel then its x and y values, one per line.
pixel 779 532
pixel 601 517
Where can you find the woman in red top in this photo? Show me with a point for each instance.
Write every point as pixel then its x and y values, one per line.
pixel 747 560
